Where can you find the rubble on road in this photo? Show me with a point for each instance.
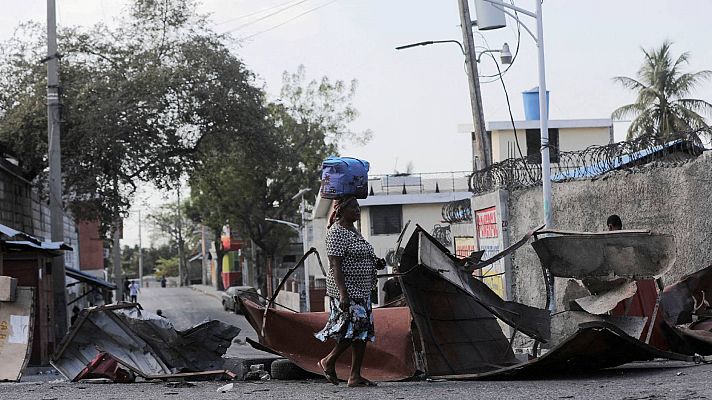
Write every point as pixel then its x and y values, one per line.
pixel 449 327
pixel 121 341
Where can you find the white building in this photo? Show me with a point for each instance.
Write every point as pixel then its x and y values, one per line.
pixel 393 201
pixel 564 134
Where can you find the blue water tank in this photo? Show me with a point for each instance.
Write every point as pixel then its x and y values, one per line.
pixel 531 103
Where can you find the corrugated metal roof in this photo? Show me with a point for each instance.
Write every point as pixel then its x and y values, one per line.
pixel 88 278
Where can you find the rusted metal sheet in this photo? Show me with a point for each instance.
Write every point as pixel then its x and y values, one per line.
pixel 142 342
pixel 291 335
pixel 689 341
pixel 626 254
pixel 423 255
pixel 454 314
pixel 595 346
pixel 680 299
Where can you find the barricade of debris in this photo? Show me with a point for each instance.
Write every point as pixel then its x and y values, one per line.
pixel 616 312
pixel 120 342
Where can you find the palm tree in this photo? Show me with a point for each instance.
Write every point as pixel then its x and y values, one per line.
pixel 663 106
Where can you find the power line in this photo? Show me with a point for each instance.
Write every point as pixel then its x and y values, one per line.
pixel 255 13
pixel 246 24
pixel 291 19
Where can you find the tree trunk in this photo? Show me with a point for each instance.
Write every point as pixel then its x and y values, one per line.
pixel 219 254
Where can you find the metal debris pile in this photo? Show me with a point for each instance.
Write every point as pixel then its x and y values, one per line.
pixel 616 312
pixel 120 342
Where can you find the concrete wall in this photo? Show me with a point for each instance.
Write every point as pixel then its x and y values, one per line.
pixel 661 197
pixel 570 139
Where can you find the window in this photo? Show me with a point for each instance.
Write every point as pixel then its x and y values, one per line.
pixel 534 146
pixel 386 220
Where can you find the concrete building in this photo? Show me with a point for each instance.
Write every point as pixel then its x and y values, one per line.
pixel 392 202
pixel 565 134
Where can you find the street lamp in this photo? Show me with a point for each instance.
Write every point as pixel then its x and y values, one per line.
pixel 543 111
pixel 301 229
pixel 302 213
pixel 505 56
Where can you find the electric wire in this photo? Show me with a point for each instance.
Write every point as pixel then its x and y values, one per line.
pixel 262 18
pixel 255 12
pixel 516 51
pixel 290 19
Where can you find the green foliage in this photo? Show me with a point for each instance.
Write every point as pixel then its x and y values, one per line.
pixel 138 103
pixel 663 106
pixel 166 267
pixel 242 183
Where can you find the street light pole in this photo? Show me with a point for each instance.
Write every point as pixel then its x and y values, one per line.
pixel 543 113
pixel 544 123
pixel 307 282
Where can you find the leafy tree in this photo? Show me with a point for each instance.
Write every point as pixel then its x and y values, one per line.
pixel 242 183
pixel 171 221
pixel 167 267
pixel 138 101
pixel 663 106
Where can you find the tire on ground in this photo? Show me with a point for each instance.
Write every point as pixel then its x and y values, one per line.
pixel 286 370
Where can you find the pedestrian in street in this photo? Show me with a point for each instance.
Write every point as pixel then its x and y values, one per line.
pixel 392 289
pixel 75 315
pixel 614 223
pixel 133 291
pixel 163 281
pixel 127 285
pixel 351 278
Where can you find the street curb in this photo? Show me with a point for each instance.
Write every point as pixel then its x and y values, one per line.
pixel 205 292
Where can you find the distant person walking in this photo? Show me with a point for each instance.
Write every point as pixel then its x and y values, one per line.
pixel 133 291
pixel 352 277
pixel 614 223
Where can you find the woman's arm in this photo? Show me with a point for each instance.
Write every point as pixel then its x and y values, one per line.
pixel 335 264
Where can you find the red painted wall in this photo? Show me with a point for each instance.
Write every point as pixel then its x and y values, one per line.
pixel 91 246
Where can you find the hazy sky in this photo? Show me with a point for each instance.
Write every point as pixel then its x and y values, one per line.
pixel 413 100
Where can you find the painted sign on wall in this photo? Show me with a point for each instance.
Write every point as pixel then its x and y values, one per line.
pixel 464 246
pixel 489 240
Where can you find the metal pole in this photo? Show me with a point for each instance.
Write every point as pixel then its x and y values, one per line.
pixel 203 254
pixel 140 252
pixel 482 146
pixel 116 250
pixel 544 130
pixel 179 230
pixel 56 209
pixel 307 297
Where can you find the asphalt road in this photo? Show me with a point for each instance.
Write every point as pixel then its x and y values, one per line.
pixel 186 307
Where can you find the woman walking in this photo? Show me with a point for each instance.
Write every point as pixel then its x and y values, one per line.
pixel 352 277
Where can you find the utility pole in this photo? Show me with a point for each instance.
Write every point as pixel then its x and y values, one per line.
pixel 140 252
pixel 56 208
pixel 179 229
pixel 482 143
pixel 203 254
pixel 116 252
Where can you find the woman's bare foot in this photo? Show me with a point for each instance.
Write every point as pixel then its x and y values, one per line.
pixel 360 381
pixel 329 371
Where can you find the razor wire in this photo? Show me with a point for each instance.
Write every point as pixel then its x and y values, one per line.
pixel 457 211
pixel 515 173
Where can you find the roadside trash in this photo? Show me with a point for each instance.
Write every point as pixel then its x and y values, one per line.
pixel 257 373
pixel 226 388
pixel 135 342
